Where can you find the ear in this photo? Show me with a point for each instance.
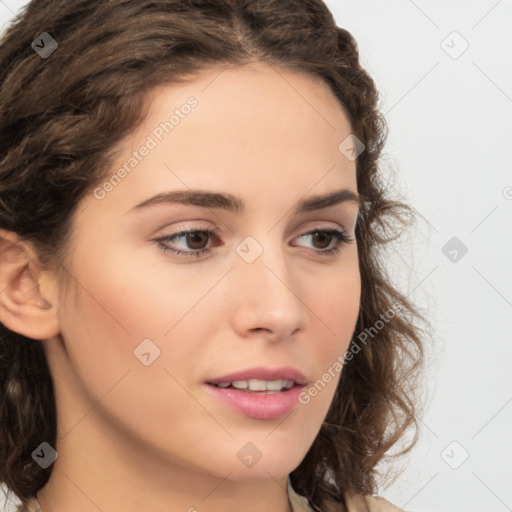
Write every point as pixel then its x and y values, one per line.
pixel 28 295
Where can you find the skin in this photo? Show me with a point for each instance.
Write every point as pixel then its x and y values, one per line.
pixel 133 437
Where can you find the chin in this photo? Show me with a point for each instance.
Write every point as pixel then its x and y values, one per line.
pixel 275 464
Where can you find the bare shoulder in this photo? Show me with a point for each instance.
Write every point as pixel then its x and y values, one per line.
pixel 368 503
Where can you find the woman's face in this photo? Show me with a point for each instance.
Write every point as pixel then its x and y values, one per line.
pixel 144 329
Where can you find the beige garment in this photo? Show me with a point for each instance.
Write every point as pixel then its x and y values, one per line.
pixel 357 503
pixel 32 506
pixel 299 503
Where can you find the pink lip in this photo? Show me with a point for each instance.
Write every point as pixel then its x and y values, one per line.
pixel 258 405
pixel 262 373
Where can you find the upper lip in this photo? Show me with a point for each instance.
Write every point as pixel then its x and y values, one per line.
pixel 262 373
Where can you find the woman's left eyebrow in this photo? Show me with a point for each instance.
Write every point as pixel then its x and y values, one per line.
pixel 232 203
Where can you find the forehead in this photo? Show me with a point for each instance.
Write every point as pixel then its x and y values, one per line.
pixel 254 88
pixel 253 129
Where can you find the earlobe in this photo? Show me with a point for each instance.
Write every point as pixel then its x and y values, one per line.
pixel 23 307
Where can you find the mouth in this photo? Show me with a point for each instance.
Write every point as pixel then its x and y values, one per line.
pixel 259 393
pixel 257 403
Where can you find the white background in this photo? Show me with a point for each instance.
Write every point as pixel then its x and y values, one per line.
pixel 449 156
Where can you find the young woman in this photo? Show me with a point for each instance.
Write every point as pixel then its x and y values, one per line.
pixel 195 314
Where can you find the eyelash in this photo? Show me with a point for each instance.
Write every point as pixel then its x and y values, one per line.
pixel 342 238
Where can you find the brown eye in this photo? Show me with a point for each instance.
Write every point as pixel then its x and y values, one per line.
pixel 324 237
pixel 193 242
pixel 197 239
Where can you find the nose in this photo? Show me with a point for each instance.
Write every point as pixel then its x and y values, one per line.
pixel 268 298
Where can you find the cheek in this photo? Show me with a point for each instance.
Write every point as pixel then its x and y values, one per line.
pixel 337 309
pixel 102 330
pixel 133 295
pixel 336 304
pixel 125 308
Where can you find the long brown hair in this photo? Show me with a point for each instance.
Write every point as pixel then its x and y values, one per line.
pixel 62 114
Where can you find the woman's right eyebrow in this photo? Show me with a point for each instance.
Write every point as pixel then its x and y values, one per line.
pixel 225 201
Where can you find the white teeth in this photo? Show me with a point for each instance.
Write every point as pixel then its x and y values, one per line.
pixel 240 384
pixel 259 385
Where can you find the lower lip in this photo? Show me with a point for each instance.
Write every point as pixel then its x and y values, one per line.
pixel 263 406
